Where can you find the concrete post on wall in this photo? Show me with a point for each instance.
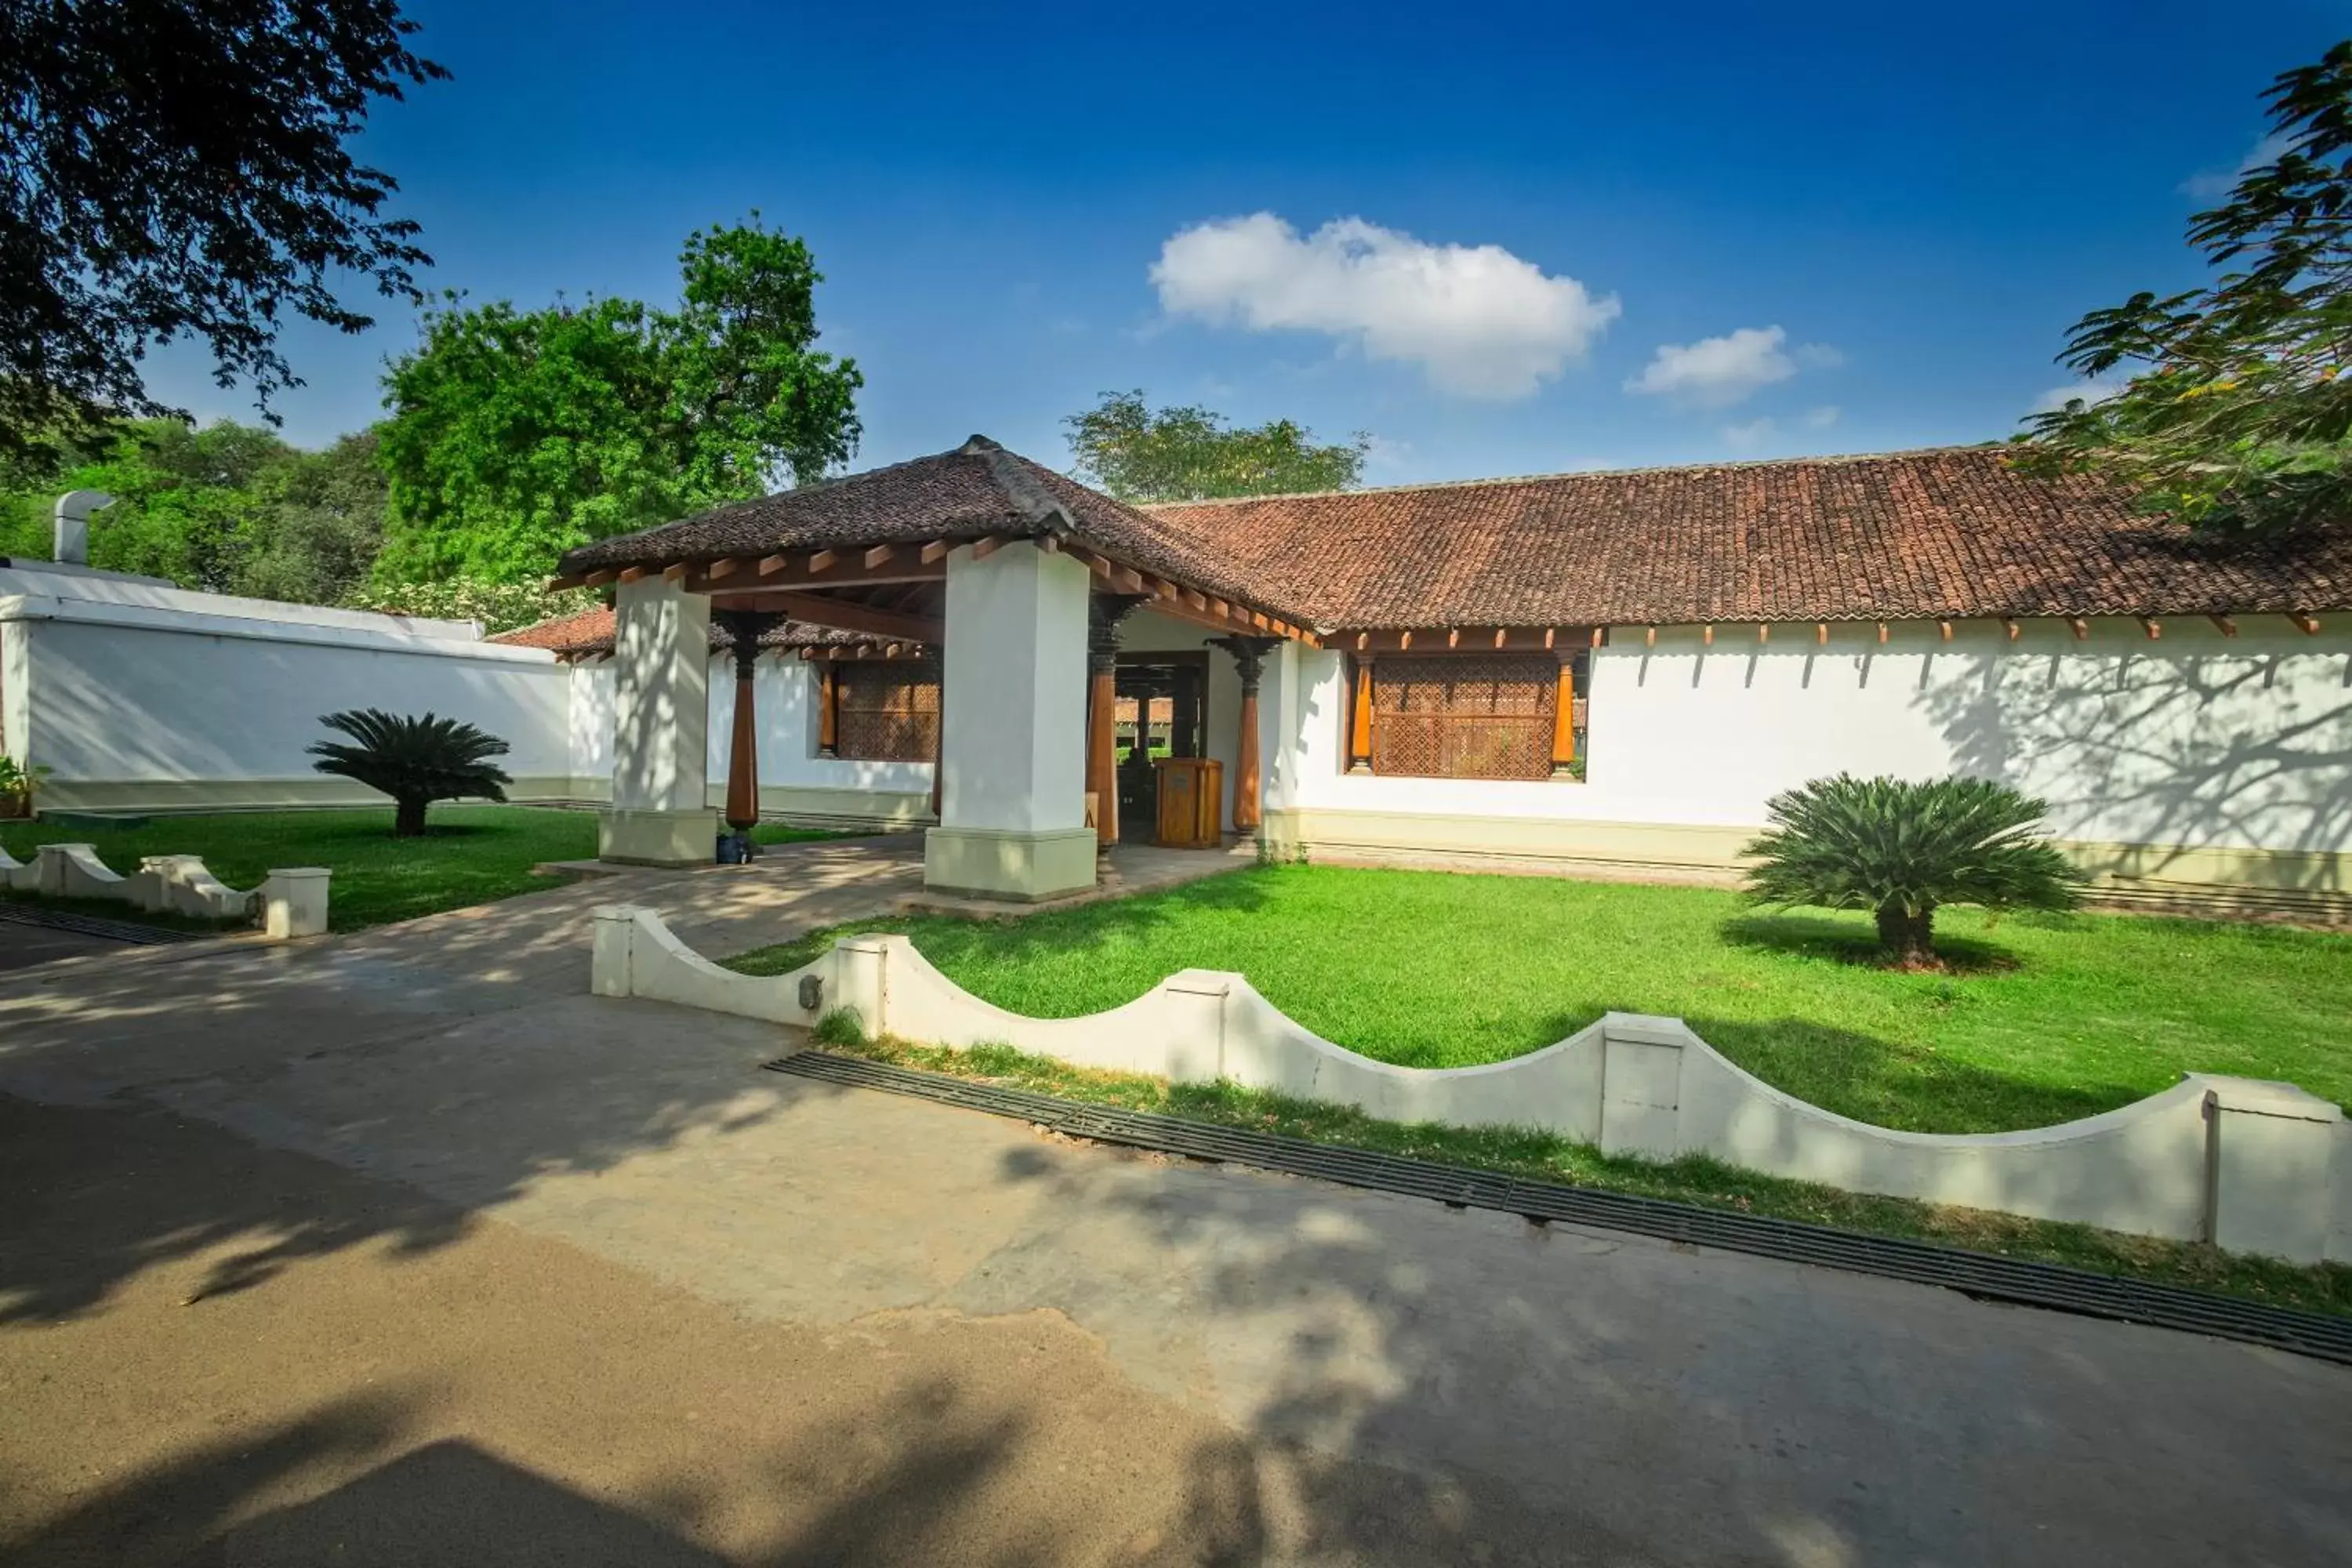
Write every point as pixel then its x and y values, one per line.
pixel 2272 1156
pixel 861 981
pixel 1641 1086
pixel 1013 813
pixel 294 901
pixel 660 813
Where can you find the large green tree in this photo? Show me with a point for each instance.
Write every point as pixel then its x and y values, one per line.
pixel 1191 454
pixel 2236 414
pixel 227 509
pixel 516 435
pixel 180 169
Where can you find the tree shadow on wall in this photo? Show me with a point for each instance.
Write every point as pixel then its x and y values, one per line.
pixel 2165 747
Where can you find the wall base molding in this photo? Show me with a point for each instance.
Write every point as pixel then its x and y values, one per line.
pixel 2307 885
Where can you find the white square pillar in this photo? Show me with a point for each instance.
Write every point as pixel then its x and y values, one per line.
pixel 661 813
pixel 1012 716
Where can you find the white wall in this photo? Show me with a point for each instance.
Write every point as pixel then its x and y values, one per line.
pixel 179 703
pixel 784 697
pixel 2193 739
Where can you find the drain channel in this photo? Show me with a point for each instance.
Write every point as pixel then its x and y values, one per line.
pixel 93 925
pixel 1979 1273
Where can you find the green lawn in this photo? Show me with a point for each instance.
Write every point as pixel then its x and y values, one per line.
pixel 472 854
pixel 2047 1018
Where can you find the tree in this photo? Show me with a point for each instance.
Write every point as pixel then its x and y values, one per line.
pixel 517 435
pixel 321 526
pixel 1902 849
pixel 178 168
pixel 414 761
pixel 227 509
pixel 2237 416
pixel 1190 454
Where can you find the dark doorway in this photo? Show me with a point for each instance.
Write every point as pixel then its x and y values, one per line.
pixel 1162 711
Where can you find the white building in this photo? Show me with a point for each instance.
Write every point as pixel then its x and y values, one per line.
pixel 1612 672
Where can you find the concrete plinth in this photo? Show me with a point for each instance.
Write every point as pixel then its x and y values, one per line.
pixel 657 838
pixel 1001 863
pixel 1014 715
pixel 661 812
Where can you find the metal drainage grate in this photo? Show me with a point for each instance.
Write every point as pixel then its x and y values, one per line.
pixel 93 925
pixel 1978 1274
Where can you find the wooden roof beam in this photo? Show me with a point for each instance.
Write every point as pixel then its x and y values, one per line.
pixel 598 578
pixel 2151 625
pixel 937 550
pixel 631 574
pixel 2306 624
pixel 986 546
pixel 824 561
pixel 878 555
pixel 841 615
pixel 2224 625
pixel 675 572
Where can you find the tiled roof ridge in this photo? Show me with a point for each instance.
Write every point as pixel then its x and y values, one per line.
pixel 1823 459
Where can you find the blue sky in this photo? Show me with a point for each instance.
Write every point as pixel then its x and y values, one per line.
pixel 1498 239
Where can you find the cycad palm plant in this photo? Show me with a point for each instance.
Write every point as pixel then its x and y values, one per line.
pixel 1902 849
pixel 414 761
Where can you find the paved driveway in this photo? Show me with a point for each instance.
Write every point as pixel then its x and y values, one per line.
pixel 322 1245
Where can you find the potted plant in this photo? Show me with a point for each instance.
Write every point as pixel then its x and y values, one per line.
pixel 18 782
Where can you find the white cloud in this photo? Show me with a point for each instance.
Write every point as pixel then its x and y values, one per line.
pixel 1822 418
pixel 1754 434
pixel 2097 390
pixel 2212 185
pixel 1480 321
pixel 1716 372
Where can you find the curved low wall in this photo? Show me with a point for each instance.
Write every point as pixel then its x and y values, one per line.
pixel 2253 1166
pixel 291 902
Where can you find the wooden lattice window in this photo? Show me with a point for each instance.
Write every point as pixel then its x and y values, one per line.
pixel 1464 717
pixel 886 711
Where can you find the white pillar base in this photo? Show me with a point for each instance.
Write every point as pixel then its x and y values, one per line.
pixel 1005 863
pixel 636 837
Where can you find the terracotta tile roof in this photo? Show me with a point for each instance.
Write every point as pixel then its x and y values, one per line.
pixel 1932 534
pixel 591 632
pixel 977 490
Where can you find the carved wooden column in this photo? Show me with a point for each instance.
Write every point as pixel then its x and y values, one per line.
pixel 828 709
pixel 1563 721
pixel 747 628
pixel 1359 717
pixel 1249 661
pixel 1105 611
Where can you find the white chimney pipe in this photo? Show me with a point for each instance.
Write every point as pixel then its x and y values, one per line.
pixel 72 536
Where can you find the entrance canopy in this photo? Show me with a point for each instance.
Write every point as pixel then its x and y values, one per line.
pixel 1015 576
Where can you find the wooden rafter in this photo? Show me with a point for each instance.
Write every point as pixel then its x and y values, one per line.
pixel 2224 625
pixel 2307 625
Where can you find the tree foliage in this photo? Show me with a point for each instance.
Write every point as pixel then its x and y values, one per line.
pixel 499 606
pixel 516 435
pixel 1191 454
pixel 2237 416
pixel 1902 849
pixel 414 761
pixel 224 509
pixel 179 168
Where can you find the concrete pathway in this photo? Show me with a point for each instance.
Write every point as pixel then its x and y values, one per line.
pixel 533 1242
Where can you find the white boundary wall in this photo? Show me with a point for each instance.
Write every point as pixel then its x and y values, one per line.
pixel 2250 1165
pixel 143 698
